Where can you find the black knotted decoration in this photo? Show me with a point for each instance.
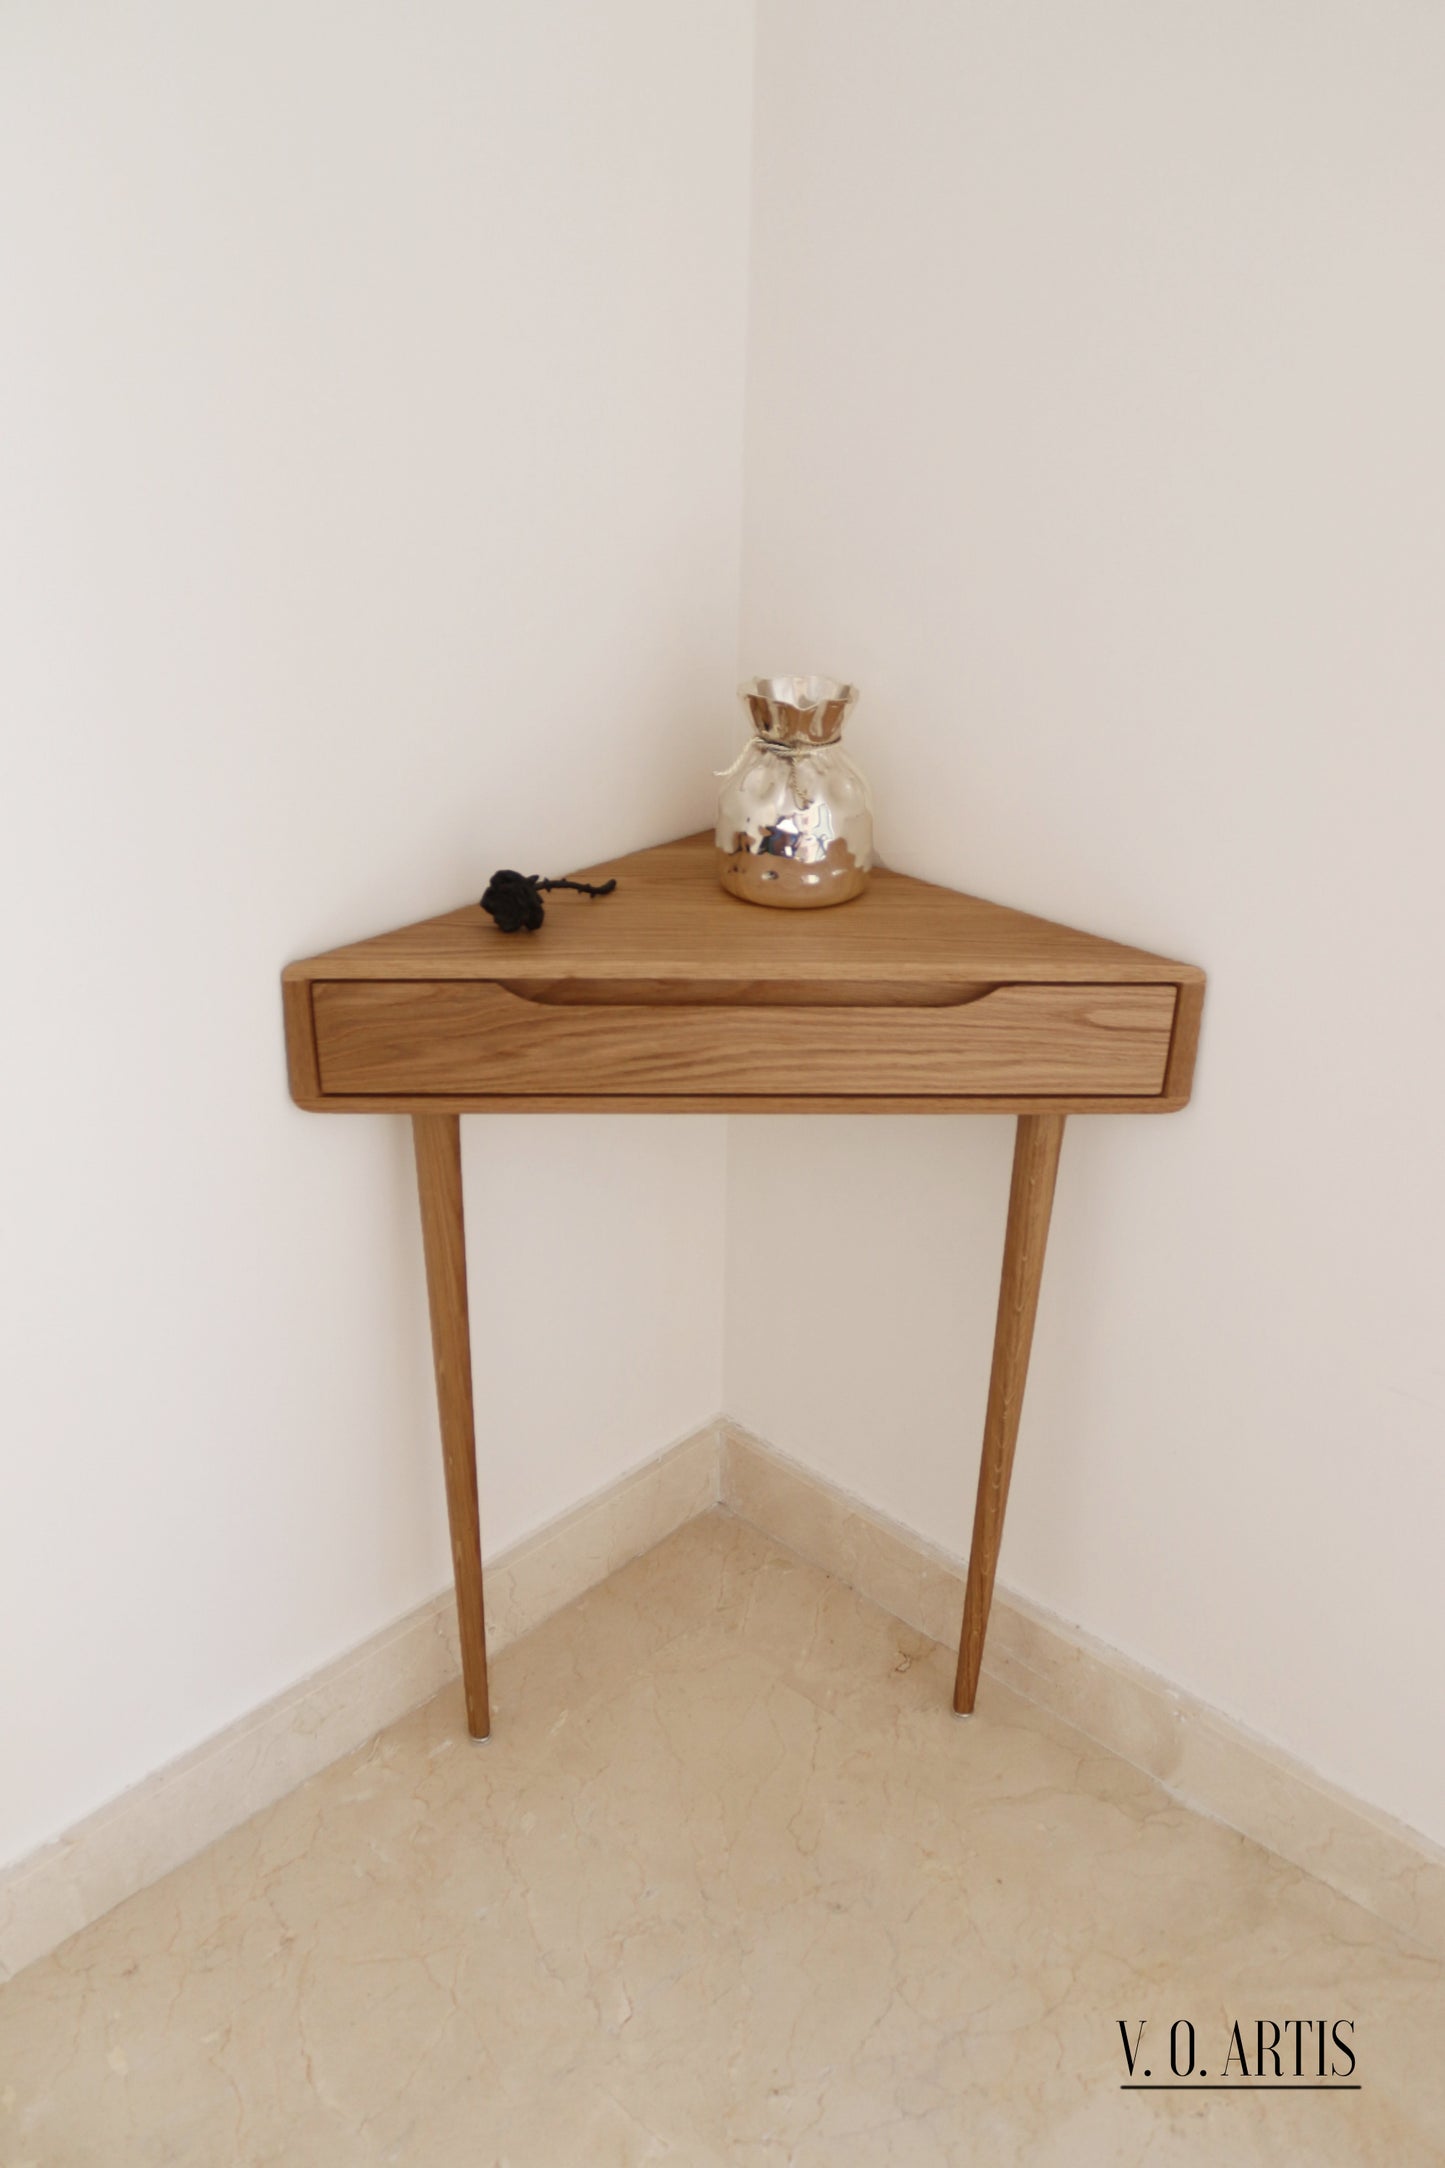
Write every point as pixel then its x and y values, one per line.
pixel 514 900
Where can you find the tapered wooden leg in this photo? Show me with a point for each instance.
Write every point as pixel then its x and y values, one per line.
pixel 1031 1197
pixel 438 1139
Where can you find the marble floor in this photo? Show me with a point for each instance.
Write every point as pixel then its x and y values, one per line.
pixel 729 1884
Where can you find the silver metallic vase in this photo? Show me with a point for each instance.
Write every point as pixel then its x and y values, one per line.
pixel 795 821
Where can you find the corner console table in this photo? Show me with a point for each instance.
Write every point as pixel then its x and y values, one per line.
pixel 671 997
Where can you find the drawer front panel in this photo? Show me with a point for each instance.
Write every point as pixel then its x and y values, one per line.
pixel 473 1038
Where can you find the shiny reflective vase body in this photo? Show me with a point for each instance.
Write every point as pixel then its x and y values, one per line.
pixel 795 821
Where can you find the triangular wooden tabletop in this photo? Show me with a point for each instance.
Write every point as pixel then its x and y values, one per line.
pixel 669 919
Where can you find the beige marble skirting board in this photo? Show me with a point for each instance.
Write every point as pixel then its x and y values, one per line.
pixel 1202 1758
pixel 171 1816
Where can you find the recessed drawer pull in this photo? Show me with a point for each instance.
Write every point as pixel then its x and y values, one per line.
pixel 748 993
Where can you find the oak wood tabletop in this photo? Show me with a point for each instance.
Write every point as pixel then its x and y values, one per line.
pixel 669 920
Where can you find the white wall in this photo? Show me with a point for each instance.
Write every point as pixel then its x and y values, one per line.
pixel 1095 426
pixel 369 479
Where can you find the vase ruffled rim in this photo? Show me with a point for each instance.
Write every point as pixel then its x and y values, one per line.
pixel 803 709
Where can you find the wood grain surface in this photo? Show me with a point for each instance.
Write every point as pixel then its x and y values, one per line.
pixel 390 1037
pixel 1030 1204
pixel 669 919
pixel 437 1138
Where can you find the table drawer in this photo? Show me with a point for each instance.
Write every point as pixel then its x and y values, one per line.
pixel 469 1037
